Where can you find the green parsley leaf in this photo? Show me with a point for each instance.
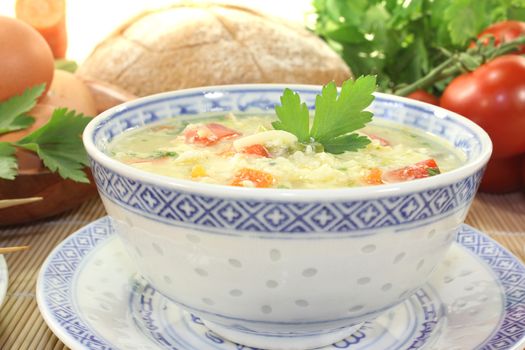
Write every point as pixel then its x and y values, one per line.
pixel 351 142
pixel 59 145
pixel 339 116
pixel 465 20
pixel 165 154
pixel 66 65
pixel 22 121
pixel 433 171
pixel 336 116
pixel 403 41
pixel 12 111
pixel 8 165
pixel 293 116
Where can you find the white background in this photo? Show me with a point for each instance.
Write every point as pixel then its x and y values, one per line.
pixel 89 21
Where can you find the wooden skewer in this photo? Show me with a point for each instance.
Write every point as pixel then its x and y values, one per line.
pixel 7 250
pixel 6 203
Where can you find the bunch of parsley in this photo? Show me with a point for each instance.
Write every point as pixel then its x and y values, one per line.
pixel 58 143
pixel 401 41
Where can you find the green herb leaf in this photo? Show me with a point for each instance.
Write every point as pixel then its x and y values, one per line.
pixel 23 121
pixel 433 171
pixel 339 116
pixel 336 116
pixel 66 65
pixel 12 111
pixel 165 154
pixel 351 142
pixel 402 41
pixel 465 20
pixel 8 165
pixel 59 145
pixel 293 116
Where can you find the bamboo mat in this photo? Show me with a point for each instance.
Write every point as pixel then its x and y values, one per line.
pixel 22 327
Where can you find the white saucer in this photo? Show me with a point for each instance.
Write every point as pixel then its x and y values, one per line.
pixel 91 298
pixel 4 278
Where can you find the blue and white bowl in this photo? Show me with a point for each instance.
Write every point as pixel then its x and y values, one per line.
pixel 280 268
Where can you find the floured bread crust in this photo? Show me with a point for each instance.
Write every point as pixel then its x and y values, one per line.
pixel 197 45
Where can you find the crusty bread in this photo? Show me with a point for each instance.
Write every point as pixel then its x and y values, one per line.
pixel 200 45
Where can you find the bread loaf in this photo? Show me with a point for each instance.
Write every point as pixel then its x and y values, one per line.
pixel 200 45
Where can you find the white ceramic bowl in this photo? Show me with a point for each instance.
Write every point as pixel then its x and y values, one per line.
pixel 277 268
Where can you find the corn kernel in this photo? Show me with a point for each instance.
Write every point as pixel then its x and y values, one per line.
pixel 198 171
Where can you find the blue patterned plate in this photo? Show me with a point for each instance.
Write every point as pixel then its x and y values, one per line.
pixel 4 277
pixel 90 296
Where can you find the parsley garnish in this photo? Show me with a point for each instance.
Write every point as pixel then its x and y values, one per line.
pixel 12 111
pixel 8 165
pixel 433 171
pixel 335 118
pixel 293 116
pixel 165 154
pixel 57 143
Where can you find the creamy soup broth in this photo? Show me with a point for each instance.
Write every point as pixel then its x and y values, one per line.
pixel 245 151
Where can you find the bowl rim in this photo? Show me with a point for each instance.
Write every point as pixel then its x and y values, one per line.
pixel 275 194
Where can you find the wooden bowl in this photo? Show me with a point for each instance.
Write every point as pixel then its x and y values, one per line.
pixel 58 195
pixel 34 180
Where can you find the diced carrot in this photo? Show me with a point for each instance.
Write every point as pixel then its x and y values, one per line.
pixel 198 171
pixel 418 170
pixel 374 177
pixel 209 134
pixel 257 150
pixel 258 178
pixel 48 17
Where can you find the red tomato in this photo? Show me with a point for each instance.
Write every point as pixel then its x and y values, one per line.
pixel 209 134
pixel 503 32
pixel 422 95
pixel 257 150
pixel 419 170
pixel 493 96
pixel 503 175
pixel 523 173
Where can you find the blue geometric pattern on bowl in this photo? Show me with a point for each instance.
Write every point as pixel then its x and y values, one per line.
pixel 224 216
pixel 148 308
pixel 61 267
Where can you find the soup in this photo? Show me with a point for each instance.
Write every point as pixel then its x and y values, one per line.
pixel 246 151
